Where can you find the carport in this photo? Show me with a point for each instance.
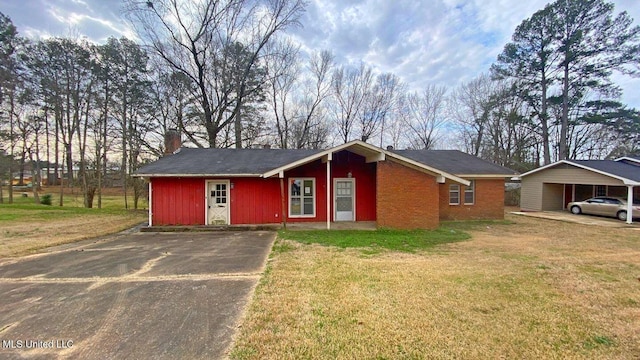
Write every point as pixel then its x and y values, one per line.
pixel 553 186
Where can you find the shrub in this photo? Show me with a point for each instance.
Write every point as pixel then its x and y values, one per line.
pixel 45 199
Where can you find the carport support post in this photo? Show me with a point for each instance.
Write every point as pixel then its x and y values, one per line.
pixel 629 204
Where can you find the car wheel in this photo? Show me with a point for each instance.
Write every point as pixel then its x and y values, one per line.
pixel 576 210
pixel 622 215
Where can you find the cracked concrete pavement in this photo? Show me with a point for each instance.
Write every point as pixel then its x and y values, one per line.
pixel 136 295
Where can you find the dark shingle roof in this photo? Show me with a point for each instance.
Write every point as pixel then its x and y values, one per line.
pixel 223 161
pixel 455 162
pixel 194 162
pixel 617 168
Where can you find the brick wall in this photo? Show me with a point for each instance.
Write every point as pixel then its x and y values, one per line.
pixel 405 198
pixel 489 201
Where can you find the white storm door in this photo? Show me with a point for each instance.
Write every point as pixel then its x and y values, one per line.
pixel 218 203
pixel 344 199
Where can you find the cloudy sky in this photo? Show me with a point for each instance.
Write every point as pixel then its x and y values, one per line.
pixel 423 41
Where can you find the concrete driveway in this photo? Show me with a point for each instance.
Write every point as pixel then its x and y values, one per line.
pixel 580 219
pixel 131 296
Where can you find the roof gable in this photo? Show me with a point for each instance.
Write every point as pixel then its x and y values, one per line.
pixel 627 173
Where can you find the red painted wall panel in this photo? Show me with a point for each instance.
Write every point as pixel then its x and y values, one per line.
pixel 365 175
pixel 255 201
pixel 177 201
pixel 343 162
pixel 181 201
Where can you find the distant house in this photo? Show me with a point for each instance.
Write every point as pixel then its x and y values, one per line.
pixel 553 186
pixel 356 181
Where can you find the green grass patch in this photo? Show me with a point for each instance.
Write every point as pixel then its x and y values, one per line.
pixel 376 241
pixel 598 340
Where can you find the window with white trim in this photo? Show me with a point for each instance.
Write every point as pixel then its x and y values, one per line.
pixel 302 197
pixel 454 194
pixel 469 193
pixel 601 190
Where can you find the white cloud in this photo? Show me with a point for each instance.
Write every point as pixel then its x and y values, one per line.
pixel 422 41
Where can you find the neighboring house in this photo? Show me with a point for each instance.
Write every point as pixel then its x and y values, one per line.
pixel 408 189
pixel 553 186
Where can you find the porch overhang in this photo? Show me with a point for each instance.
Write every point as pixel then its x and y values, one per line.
pixel 371 154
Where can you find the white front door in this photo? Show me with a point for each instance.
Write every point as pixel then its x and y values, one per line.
pixel 344 199
pixel 218 203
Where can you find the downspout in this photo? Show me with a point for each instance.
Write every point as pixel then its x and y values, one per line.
pixel 629 204
pixel 282 209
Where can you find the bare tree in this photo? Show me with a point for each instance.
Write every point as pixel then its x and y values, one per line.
pixel 424 116
pixel 310 131
pixel 379 101
pixel 10 42
pixel 283 72
pixel 471 105
pixel 192 37
pixel 350 87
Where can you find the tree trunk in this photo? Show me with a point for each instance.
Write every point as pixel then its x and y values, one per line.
pixel 124 149
pixel 565 115
pixel 10 184
pixel 69 160
pixel 34 181
pixel 238 130
pixel 544 121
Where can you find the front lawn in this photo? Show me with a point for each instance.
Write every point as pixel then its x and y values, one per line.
pixel 26 227
pixel 524 289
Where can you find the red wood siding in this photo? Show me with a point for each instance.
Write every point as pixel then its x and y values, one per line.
pixel 255 201
pixel 343 162
pixel 365 175
pixel 181 201
pixel 316 170
pixel 177 201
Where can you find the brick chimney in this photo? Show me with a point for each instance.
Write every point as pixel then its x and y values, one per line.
pixel 172 141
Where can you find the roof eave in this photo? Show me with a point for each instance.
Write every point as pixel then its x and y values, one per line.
pixel 487 176
pixel 322 154
pixel 637 161
pixel 196 175
pixel 624 180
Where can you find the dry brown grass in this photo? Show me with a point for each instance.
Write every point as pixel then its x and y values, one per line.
pixel 26 227
pixel 534 289
pixel 25 237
